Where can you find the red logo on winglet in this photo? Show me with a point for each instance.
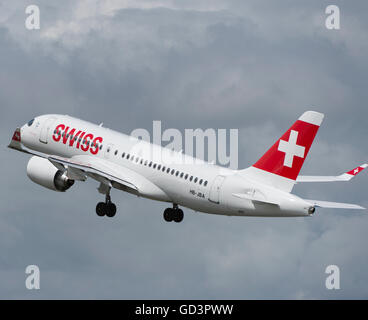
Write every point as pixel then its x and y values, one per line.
pixel 355 171
pixel 16 136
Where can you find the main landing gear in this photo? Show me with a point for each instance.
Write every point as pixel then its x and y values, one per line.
pixel 106 208
pixel 173 214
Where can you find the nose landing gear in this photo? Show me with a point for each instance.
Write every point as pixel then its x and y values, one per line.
pixel 173 214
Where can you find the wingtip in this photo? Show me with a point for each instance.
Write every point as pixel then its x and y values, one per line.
pixel 357 170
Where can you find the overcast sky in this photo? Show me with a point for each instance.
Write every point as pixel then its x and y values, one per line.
pixel 251 65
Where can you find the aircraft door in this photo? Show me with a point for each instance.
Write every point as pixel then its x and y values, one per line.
pixel 45 130
pixel 215 189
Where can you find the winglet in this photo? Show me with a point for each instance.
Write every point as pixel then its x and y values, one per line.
pixel 357 170
pixel 352 173
pixel 16 140
pixel 347 176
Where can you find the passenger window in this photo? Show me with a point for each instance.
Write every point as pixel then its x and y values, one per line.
pixel 191 178
pixel 168 170
pixel 150 164
pixel 159 167
pixel 172 171
pixel 145 163
pixel 123 155
pixel 128 156
pixel 205 183
pixel 195 180
pixel 181 175
pixel 116 152
pixel 186 177
pixel 154 166
pixel 136 160
pixel 200 181
pixel 163 169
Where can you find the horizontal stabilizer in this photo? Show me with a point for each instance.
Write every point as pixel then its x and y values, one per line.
pixel 342 177
pixel 335 205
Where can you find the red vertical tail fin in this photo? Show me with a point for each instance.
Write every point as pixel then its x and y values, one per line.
pixel 281 164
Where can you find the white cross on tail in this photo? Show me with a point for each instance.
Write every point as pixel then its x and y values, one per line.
pixel 291 149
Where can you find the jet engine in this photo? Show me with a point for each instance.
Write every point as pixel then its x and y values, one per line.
pixel 44 173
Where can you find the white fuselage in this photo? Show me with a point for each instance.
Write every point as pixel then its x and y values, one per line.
pixel 212 189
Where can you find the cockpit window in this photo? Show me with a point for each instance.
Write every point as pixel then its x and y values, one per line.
pixel 30 122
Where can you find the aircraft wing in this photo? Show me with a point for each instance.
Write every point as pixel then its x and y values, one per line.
pixel 335 205
pixel 81 167
pixel 342 177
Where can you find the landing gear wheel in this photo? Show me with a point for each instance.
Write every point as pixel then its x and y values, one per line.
pixel 173 214
pixel 101 209
pixel 178 215
pixel 168 215
pixel 106 208
pixel 110 209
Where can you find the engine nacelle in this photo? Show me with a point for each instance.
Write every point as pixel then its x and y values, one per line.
pixel 44 173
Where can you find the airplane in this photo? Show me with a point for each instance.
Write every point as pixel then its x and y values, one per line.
pixel 65 149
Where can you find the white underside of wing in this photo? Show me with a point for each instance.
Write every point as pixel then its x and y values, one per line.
pixel 96 169
pixel 335 205
pixel 110 174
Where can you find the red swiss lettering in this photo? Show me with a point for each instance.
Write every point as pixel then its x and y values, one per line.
pixel 80 139
pixel 95 145
pixel 74 138
pixel 67 134
pixel 57 135
pixel 86 141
